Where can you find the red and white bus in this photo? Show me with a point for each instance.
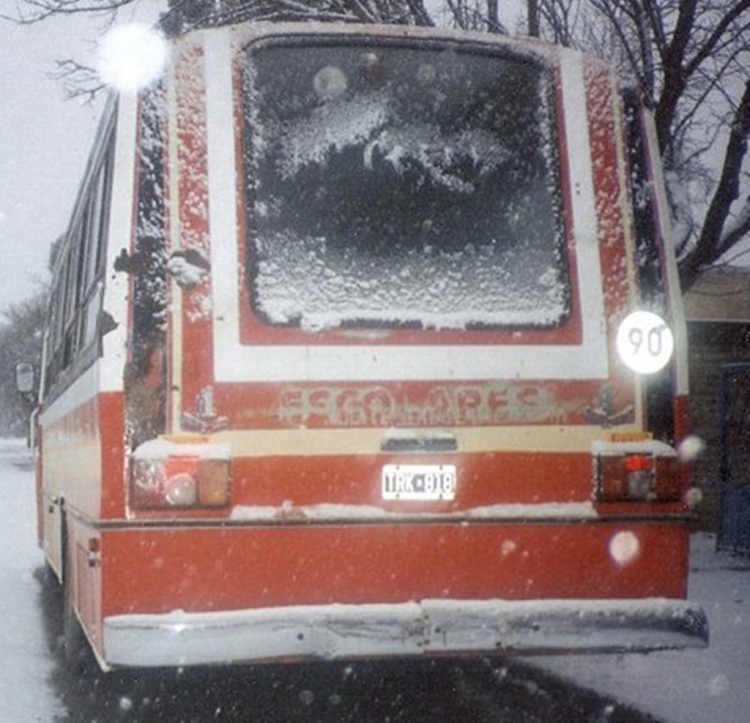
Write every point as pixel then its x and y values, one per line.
pixel 331 367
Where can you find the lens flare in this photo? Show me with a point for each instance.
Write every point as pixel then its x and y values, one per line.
pixel 131 57
pixel 624 547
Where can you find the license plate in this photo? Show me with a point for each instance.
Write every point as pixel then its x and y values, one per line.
pixel 419 482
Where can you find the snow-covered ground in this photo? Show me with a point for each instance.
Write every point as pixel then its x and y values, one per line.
pixel 690 686
pixel 25 663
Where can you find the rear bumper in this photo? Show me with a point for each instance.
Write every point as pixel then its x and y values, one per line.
pixel 401 629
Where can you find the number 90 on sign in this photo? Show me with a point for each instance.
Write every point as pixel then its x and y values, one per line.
pixel 644 342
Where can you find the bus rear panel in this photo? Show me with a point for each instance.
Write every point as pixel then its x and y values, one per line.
pixel 348 365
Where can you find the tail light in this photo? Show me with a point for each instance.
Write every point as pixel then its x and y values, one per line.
pixel 167 474
pixel 636 471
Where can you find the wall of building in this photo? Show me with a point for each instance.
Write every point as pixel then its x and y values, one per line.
pixel 712 344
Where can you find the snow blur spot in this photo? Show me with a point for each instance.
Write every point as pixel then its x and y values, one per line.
pixel 690 448
pixel 306 697
pixel 500 674
pixel 693 497
pixel 426 73
pixel 508 547
pixel 131 57
pixel 718 685
pixel 624 547
pixel 126 703
pixel 330 82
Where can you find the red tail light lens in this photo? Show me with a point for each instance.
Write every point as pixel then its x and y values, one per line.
pixel 639 462
pixel 644 472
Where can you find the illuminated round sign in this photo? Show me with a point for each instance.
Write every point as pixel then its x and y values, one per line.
pixel 644 342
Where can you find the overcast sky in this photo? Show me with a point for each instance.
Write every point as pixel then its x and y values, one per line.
pixel 44 141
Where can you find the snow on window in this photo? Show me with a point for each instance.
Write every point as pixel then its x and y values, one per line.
pixel 395 186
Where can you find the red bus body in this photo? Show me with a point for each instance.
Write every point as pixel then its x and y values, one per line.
pixel 241 458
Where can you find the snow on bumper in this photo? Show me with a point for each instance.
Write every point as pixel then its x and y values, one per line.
pixel 401 629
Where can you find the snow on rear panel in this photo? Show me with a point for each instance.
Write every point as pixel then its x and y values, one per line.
pixel 393 186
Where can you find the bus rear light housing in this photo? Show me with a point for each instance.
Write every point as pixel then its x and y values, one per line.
pixel 180 475
pixel 636 471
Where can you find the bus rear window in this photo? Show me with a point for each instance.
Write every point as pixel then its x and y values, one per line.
pixel 399 187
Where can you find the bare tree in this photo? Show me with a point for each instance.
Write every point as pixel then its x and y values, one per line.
pixel 480 15
pixel 692 60
pixel 185 14
pixel 33 11
pixel 21 328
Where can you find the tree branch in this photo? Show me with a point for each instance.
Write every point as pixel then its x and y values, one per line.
pixel 709 46
pixel 40 10
pixel 711 243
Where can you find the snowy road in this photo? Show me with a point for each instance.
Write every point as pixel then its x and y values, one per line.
pixel 25 663
pixel 36 685
pixel 690 686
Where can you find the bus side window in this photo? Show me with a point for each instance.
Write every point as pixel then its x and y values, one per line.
pixel 649 261
pixel 78 277
pixel 91 272
pixel 54 319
